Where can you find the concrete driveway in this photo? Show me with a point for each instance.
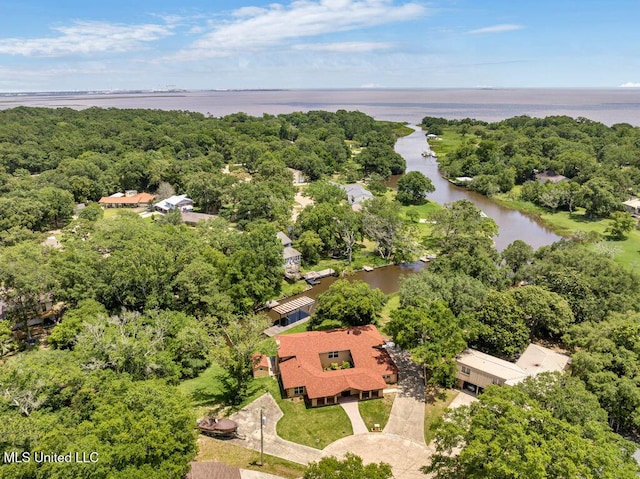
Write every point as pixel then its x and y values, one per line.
pixel 407 413
pixel 248 420
pixel 405 456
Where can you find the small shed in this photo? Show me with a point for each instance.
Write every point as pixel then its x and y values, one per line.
pixel 294 310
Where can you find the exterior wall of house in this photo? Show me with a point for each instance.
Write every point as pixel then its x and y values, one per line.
pixel 390 378
pixel 342 356
pixel 362 396
pixel 260 372
pixel 290 393
pixel 476 377
pixel 293 260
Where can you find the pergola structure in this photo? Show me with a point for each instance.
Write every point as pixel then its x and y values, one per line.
pixel 294 310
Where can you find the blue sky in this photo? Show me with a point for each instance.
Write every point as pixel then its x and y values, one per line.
pixel 198 44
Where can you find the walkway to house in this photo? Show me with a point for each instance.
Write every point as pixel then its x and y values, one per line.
pixel 462 399
pixel 407 413
pixel 350 406
pixel 218 470
pixel 249 427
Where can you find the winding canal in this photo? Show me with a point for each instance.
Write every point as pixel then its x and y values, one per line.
pixel 512 224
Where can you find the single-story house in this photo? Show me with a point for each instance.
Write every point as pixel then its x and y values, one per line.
pixel 632 206
pixel 477 370
pixel 128 199
pixel 356 193
pixel 291 256
pixel 550 176
pixel 179 202
pixel 323 366
pixel 192 219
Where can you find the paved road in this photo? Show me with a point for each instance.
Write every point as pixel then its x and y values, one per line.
pixel 249 426
pixel 462 399
pixel 407 413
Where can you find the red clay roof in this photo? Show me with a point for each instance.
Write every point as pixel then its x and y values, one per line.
pixel 128 200
pixel 260 361
pixel 299 361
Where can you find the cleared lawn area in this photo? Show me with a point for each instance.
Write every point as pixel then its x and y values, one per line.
pixel 206 391
pixel 626 252
pixel 434 409
pixel 393 303
pixel 315 427
pixel 376 411
pixel 210 449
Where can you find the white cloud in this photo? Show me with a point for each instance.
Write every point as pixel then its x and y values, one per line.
pixel 505 27
pixel 255 29
pixel 631 84
pixel 344 47
pixel 85 37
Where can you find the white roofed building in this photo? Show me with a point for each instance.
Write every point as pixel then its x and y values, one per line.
pixel 179 202
pixel 477 370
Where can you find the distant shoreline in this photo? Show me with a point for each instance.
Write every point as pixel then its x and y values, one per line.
pixel 407 105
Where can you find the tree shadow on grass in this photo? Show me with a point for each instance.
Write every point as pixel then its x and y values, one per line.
pixel 434 394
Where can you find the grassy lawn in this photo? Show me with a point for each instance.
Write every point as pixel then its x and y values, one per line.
pixel 449 141
pixel 376 411
pixel 434 409
pixel 210 449
pixel 626 252
pixel 315 427
pixel 393 303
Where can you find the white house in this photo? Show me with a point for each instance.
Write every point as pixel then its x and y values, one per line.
pixel 356 193
pixel 179 202
pixel 292 257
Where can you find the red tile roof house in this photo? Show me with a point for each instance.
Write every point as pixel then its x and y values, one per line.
pixel 304 364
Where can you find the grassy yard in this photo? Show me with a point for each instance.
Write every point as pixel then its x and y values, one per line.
pixel 210 449
pixel 434 409
pixel 315 427
pixel 376 411
pixel 626 252
pixel 393 303
pixel 449 141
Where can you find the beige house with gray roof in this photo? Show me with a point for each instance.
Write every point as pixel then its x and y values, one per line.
pixel 477 370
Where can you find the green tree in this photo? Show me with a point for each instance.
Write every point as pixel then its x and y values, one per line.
pixel 234 346
pixel 324 192
pixel 351 467
pixel 27 282
pixel 64 334
pixel 413 188
pixel 621 223
pixel 255 268
pixel 58 205
pixel 434 337
pixel 92 212
pixel 517 254
pixel 546 314
pixel 598 198
pixel 351 303
pixel 501 330
pixel 381 223
pixel 310 245
pixel 507 434
pixel 460 292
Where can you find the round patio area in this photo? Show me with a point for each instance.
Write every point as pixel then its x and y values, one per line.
pixel 405 457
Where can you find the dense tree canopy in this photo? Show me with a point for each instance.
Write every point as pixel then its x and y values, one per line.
pixel 520 432
pixel 349 303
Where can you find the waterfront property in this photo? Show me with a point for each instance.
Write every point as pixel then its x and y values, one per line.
pixel 324 366
pixel 291 256
pixel 477 370
pixel 356 194
pixel 550 176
